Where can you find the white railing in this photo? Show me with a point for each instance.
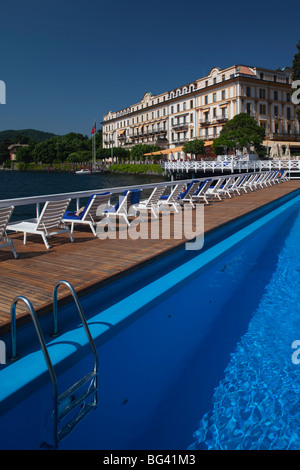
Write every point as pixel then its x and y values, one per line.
pixel 232 166
pixel 77 196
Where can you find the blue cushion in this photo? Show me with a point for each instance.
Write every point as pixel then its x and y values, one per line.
pixel 135 199
pixel 72 214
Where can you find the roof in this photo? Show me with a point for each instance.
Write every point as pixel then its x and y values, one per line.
pixel 174 149
pixel 17 145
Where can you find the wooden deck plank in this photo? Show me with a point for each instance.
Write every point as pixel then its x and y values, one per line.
pixel 89 261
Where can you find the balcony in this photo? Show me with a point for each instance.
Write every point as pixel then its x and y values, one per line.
pixel 205 121
pixel 284 136
pixel 222 118
pixel 180 141
pixel 180 126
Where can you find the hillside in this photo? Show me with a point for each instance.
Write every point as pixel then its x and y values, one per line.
pixel 32 134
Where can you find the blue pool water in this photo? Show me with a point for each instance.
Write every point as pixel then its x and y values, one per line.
pixel 194 350
pixel 256 404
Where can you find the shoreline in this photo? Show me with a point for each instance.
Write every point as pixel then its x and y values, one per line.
pixel 124 169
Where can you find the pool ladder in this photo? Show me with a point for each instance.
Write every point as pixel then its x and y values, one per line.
pixel 64 403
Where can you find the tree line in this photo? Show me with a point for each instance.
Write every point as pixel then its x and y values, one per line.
pixel 241 131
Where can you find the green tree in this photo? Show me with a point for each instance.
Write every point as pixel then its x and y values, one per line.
pixel 4 152
pixel 195 147
pixel 24 154
pixel 138 150
pixel 241 131
pixel 296 73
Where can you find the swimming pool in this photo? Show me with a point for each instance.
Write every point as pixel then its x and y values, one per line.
pixel 182 346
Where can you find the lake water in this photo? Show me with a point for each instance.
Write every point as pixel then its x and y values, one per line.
pixel 14 184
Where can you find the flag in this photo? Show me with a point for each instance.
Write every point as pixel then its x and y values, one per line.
pixel 94 129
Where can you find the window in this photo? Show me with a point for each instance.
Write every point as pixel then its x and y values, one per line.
pixel 158 113
pixel 248 108
pixel 191 104
pixel 276 128
pixel 263 124
pixel 152 115
pixel 214 97
pixel 223 78
pixel 248 91
pixel 261 76
pixel 276 95
pixel 172 109
pixel 192 133
pixel 223 94
pixel 262 109
pixel 288 113
pixel 276 111
pixel 275 78
pixel 215 112
pixel 262 93
pixel 206 99
pixel 206 82
pixel 178 107
pixel 289 129
pixel 184 106
pixel 215 80
pixel 288 97
pixel 191 117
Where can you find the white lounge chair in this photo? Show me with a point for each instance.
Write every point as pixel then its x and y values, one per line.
pixel 248 184
pixel 152 203
pixel 88 216
pixel 172 199
pixel 226 188
pixel 5 241
pixel 202 192
pixel 237 185
pixel 214 190
pixel 127 206
pixel 187 195
pixel 49 222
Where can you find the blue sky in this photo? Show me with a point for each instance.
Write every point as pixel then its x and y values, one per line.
pixel 66 63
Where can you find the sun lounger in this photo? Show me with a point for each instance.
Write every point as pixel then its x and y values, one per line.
pixel 187 195
pixel 152 203
pixel 49 223
pixel 202 192
pixel 88 214
pixel 5 241
pixel 127 206
pixel 172 200
pixel 214 190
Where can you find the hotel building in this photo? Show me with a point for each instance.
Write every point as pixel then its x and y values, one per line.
pixel 200 109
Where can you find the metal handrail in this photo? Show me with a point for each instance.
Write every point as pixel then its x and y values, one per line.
pixel 38 330
pixel 84 322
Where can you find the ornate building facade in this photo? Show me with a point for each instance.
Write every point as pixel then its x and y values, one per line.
pixel 200 109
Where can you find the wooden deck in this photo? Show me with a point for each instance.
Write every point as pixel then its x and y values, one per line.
pixel 90 262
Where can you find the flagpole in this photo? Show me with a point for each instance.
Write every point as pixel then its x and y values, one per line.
pixel 94 145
